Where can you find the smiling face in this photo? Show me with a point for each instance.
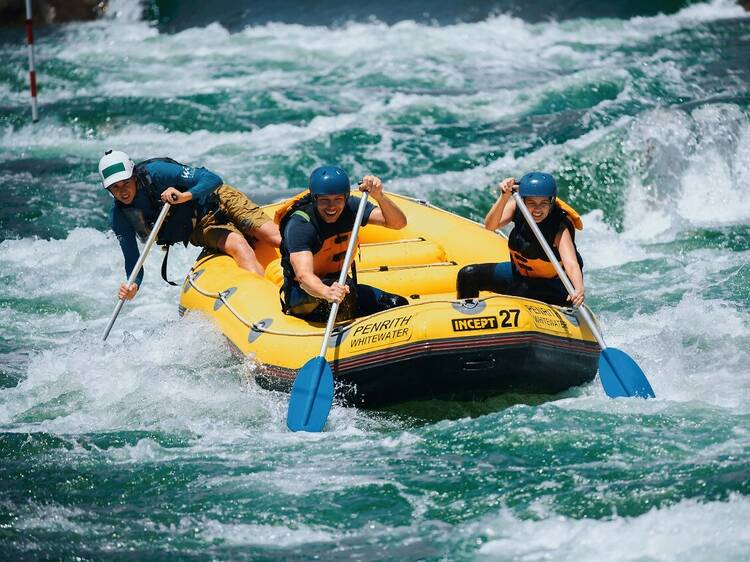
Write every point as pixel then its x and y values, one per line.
pixel 330 207
pixel 539 207
pixel 124 191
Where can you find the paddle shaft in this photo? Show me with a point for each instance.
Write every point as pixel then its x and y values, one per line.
pixel 582 311
pixel 144 254
pixel 335 306
pixel 344 271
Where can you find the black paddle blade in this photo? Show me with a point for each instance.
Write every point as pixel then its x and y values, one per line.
pixel 312 396
pixel 621 375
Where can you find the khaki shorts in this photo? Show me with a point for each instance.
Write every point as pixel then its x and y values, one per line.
pixel 236 213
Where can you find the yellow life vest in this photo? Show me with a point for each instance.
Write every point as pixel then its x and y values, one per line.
pixel 287 205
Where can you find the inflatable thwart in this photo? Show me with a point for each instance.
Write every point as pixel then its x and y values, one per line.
pixel 434 347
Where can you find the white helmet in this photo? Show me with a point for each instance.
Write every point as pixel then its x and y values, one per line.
pixel 115 166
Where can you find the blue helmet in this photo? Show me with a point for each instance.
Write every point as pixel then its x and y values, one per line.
pixel 537 184
pixel 329 180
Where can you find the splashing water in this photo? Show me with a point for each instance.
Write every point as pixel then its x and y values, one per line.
pixel 159 443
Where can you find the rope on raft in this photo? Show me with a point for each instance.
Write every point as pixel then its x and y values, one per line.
pixel 259 327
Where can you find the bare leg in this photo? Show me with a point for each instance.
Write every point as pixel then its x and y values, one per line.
pixel 268 233
pixel 236 246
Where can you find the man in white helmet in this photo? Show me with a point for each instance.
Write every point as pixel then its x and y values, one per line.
pixel 205 211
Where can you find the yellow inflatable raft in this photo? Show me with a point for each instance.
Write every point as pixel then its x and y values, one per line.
pixel 434 347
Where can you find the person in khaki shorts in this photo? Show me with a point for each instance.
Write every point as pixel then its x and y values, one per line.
pixel 228 228
pixel 204 211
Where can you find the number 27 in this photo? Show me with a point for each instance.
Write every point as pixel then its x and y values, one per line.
pixel 505 318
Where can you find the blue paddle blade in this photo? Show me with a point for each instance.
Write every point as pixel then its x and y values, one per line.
pixel 621 376
pixel 312 396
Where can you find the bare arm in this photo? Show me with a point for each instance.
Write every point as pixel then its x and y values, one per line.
pixel 388 214
pixel 302 262
pixel 570 263
pixel 502 211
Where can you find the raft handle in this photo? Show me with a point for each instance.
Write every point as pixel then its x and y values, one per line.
pixel 479 364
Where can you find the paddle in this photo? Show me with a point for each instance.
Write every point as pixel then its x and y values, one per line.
pixel 312 393
pixel 133 274
pixel 619 373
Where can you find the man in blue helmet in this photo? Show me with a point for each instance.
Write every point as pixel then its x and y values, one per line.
pixel 315 234
pixel 205 211
pixel 530 273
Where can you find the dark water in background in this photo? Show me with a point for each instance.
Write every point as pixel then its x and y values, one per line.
pixel 182 14
pixel 156 446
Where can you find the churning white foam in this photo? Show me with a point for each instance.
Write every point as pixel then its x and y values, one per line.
pixel 690 168
pixel 689 531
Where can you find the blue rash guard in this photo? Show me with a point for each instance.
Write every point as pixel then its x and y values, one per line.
pixel 200 182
